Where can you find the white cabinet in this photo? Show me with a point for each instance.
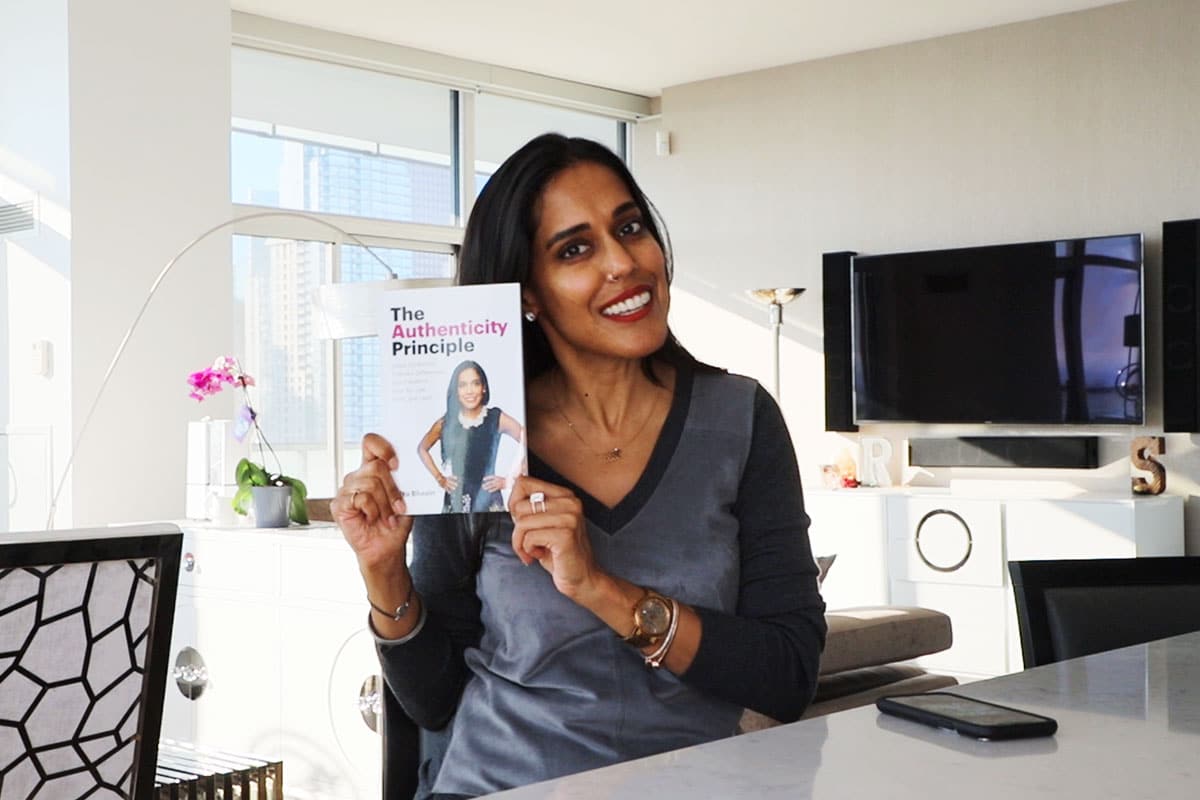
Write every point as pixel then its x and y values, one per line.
pixel 951 553
pixel 1102 528
pixel 852 525
pixel 948 554
pixel 279 619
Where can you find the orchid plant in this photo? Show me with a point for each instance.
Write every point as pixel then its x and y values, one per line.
pixel 226 371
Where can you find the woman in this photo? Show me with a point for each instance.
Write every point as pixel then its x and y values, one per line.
pixel 470 436
pixel 653 575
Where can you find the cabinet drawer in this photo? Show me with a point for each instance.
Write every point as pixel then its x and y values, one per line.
pixel 229 562
pixel 322 570
pixel 978 621
pixel 946 540
pixel 852 526
pixel 1125 528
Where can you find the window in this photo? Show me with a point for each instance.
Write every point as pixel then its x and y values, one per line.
pixel 275 340
pixel 503 124
pixel 313 136
pixel 373 155
pixel 360 358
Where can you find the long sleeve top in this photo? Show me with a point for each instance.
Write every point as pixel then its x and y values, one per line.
pixel 539 687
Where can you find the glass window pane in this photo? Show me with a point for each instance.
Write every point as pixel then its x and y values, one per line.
pixel 360 357
pixel 275 338
pixel 503 124
pixel 313 136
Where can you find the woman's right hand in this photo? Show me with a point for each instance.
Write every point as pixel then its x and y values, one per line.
pixel 370 510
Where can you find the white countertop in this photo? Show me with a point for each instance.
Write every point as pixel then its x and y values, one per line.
pixel 317 529
pixel 1129 727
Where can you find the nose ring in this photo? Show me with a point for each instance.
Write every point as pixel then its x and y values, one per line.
pixel 612 278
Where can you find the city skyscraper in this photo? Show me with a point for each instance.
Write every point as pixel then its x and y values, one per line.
pixel 281 346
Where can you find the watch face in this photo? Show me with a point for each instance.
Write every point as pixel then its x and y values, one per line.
pixel 654 616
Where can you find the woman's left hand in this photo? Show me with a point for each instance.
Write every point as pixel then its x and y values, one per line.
pixel 494 483
pixel 554 535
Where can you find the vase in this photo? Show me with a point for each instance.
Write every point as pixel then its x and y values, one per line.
pixel 271 506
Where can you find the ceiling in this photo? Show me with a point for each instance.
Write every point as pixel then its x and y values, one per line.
pixel 643 46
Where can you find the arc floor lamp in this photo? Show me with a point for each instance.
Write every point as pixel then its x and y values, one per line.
pixel 775 300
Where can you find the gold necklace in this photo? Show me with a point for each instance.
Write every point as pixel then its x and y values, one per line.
pixel 611 455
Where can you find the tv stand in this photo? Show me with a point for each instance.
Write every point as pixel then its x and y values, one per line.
pixel 940 550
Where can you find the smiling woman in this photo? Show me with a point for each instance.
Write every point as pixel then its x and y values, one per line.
pixel 653 574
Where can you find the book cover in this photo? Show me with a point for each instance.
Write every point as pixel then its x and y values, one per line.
pixel 453 395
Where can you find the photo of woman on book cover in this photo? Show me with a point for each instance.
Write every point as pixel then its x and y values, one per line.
pixel 469 434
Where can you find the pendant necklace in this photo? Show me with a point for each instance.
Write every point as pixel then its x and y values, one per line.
pixel 612 454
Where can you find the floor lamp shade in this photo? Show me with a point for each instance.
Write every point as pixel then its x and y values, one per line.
pixel 350 310
pixel 775 300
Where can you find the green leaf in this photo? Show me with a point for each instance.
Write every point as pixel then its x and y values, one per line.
pixel 297 510
pixel 241 473
pixel 240 499
pixel 258 476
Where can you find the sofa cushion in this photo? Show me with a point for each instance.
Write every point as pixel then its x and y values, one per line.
pixel 915 684
pixel 853 681
pixel 869 636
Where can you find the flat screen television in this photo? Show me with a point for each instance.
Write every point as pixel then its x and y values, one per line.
pixel 1033 333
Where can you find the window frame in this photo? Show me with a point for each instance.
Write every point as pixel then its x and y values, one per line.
pixel 464 79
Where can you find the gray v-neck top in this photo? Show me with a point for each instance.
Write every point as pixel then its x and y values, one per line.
pixel 543 688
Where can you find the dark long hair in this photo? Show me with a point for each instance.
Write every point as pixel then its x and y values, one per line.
pixel 498 243
pixel 452 404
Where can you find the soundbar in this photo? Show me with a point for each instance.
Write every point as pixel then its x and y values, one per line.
pixel 1046 452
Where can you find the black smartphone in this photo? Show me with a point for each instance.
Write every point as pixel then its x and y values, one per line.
pixel 968 716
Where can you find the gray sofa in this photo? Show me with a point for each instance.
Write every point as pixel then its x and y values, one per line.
pixel 860 662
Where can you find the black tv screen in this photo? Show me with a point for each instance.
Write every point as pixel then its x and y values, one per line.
pixel 1034 333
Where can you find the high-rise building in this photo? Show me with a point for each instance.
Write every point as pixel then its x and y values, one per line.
pixel 281 340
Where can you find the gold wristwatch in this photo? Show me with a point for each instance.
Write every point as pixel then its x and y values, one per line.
pixel 651 620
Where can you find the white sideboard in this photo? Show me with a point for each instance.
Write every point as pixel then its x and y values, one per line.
pixel 279 619
pixel 950 553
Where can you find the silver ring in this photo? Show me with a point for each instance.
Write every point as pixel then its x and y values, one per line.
pixel 537 501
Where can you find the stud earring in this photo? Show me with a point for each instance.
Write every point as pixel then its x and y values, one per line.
pixel 529 316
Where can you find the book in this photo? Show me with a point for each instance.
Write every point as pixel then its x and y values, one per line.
pixel 452 395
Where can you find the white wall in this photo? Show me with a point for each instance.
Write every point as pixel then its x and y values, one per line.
pixel 149 150
pixel 34 164
pixel 1080 124
pixel 116 116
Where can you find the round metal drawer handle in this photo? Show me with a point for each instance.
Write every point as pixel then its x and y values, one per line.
pixel 370 701
pixel 190 673
pixel 966 529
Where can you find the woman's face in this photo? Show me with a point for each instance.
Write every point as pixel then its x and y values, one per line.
pixel 598 280
pixel 470 389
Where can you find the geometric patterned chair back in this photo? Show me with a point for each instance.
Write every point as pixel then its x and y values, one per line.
pixel 85 631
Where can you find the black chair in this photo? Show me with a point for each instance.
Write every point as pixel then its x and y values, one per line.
pixel 1072 608
pixel 85 632
pixel 401 749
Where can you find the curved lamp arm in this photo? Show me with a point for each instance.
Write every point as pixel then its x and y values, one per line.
pixel 145 303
